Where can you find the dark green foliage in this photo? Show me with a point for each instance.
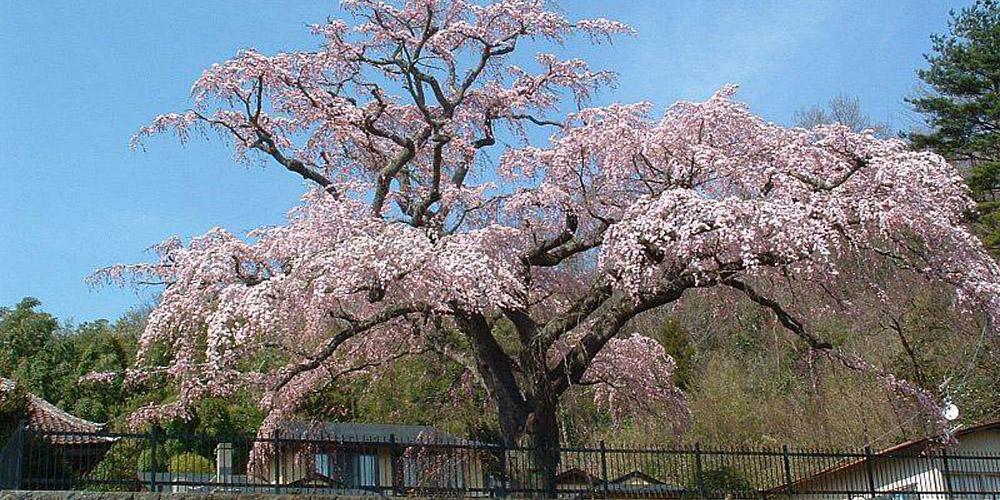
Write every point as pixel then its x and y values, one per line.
pixel 963 106
pixel 119 468
pixel 13 410
pixel 676 341
pixel 144 460
pixel 48 360
pixel 720 482
pixel 419 390
pixel 25 336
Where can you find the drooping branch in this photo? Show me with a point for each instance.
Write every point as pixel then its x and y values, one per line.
pixel 355 327
pixel 787 320
pixel 897 327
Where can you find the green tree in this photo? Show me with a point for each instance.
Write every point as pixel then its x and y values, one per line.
pixel 675 340
pixel 13 409
pixel 962 106
pixel 48 360
pixel 97 346
pixel 25 335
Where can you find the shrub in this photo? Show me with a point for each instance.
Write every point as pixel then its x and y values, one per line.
pixel 724 480
pixel 145 461
pixel 190 462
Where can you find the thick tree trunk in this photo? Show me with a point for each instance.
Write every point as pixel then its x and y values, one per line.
pixel 526 407
pixel 542 434
pixel 537 435
pixel 541 429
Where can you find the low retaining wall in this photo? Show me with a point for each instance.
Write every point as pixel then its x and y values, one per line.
pixel 94 495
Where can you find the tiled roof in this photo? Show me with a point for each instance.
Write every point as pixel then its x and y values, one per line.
pixel 46 417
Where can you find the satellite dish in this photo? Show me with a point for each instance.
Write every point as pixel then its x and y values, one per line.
pixel 950 411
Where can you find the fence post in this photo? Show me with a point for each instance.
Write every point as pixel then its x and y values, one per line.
pixel 699 476
pixel 505 473
pixel 788 469
pixel 604 469
pixel 393 468
pixel 947 472
pixel 277 461
pixel 550 482
pixel 869 470
pixel 20 442
pixel 153 457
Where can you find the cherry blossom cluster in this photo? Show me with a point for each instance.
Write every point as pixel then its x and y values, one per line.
pixel 748 196
pixel 98 377
pixel 635 375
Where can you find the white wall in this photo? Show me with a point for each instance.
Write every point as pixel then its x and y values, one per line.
pixel 924 474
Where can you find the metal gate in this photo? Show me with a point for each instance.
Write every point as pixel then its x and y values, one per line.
pixel 10 460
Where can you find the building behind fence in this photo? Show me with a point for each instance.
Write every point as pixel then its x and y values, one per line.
pixel 408 460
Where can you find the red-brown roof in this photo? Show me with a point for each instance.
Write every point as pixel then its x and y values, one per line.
pixel 46 417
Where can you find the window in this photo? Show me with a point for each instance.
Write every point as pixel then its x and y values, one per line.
pixel 322 464
pixel 366 470
pixel 356 470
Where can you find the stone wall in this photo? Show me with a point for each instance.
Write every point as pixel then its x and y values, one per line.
pixel 90 495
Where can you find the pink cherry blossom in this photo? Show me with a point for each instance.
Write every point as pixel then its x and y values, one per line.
pixel 433 209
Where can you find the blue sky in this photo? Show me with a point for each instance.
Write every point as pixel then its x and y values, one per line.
pixel 78 78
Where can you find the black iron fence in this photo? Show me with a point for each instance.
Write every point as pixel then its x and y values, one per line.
pixel 440 465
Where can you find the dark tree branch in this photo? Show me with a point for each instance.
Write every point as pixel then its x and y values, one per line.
pixel 355 327
pixel 610 319
pixel 786 319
